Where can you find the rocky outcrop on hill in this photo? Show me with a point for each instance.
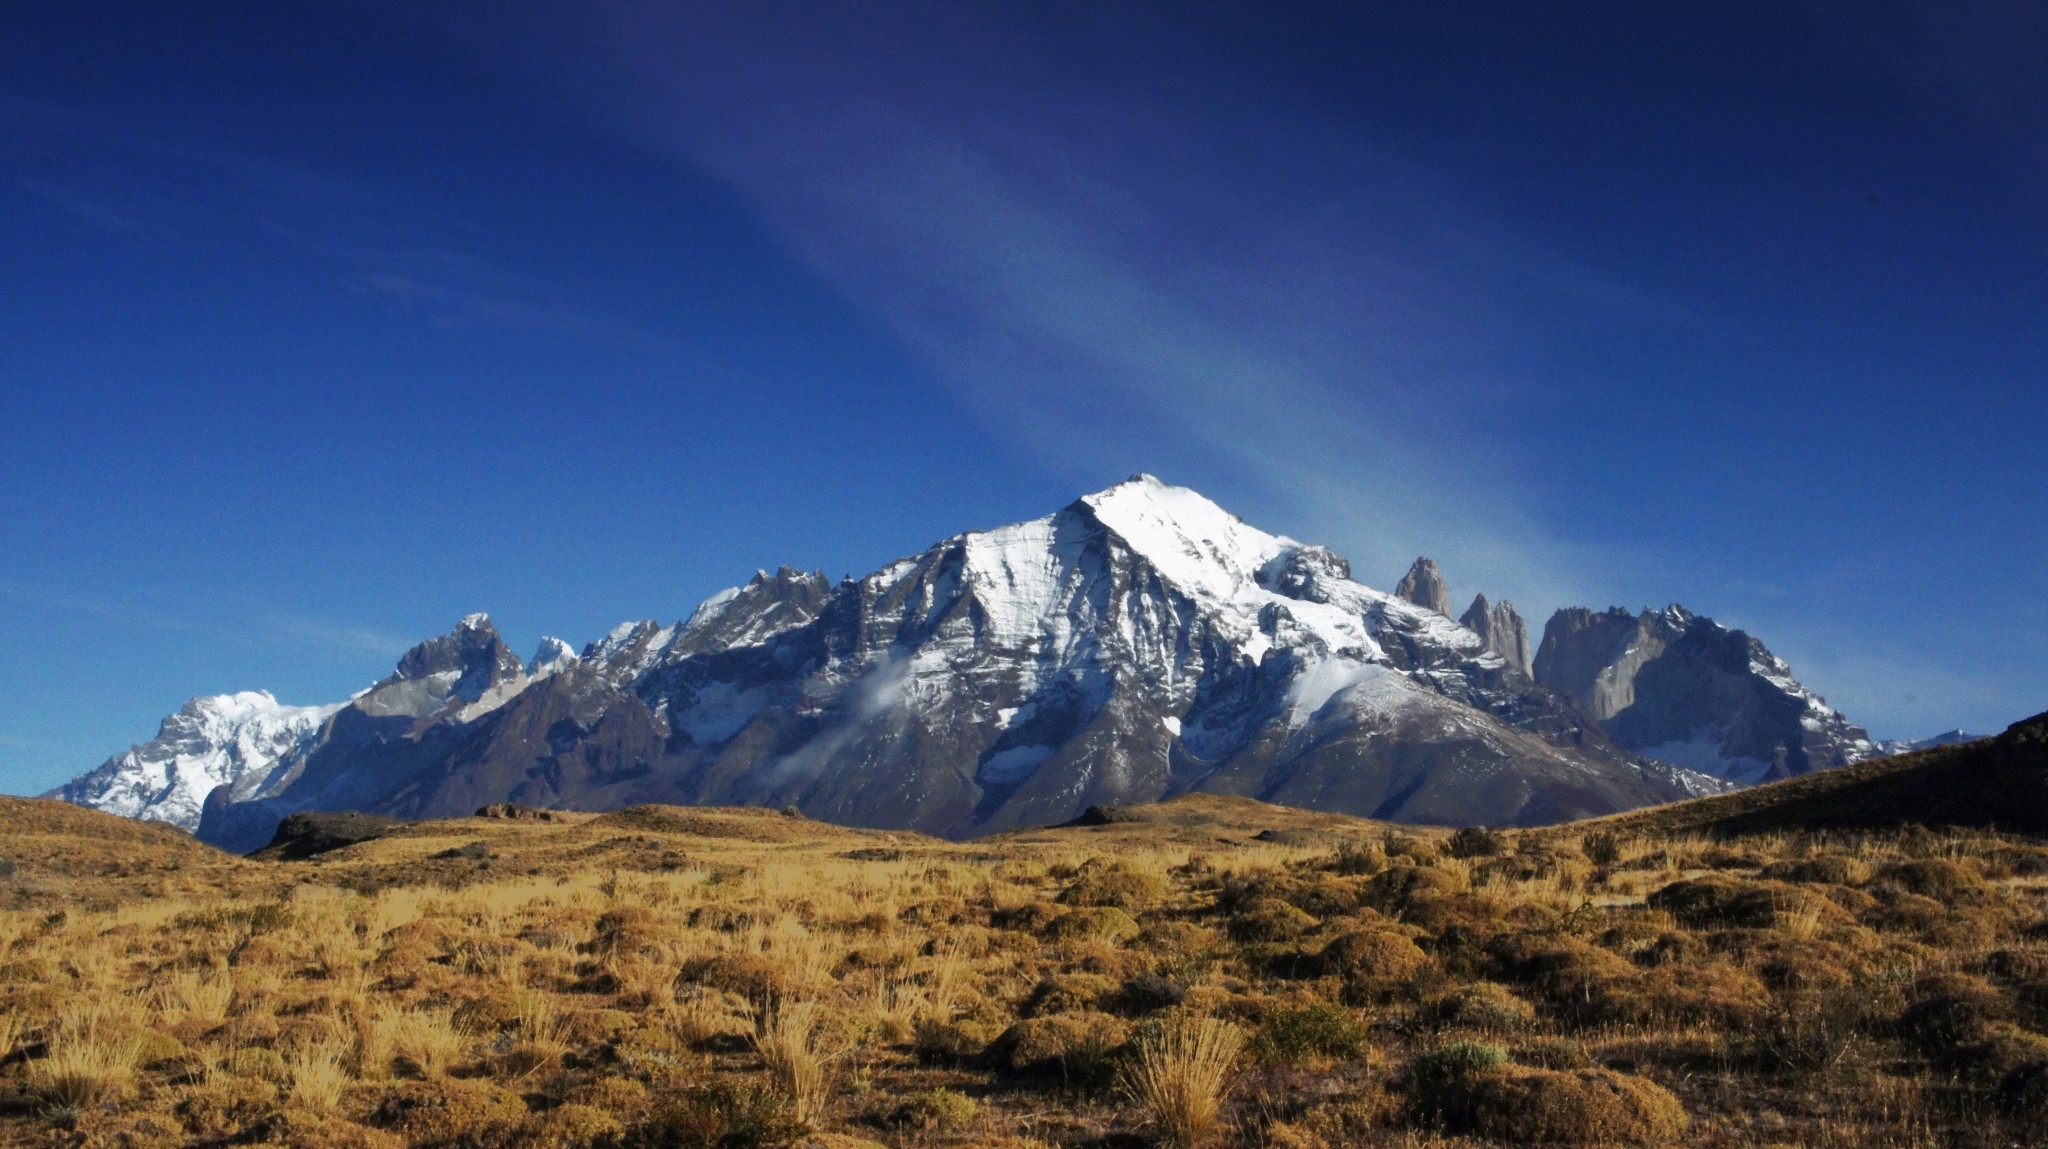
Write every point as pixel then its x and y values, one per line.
pixel 1682 688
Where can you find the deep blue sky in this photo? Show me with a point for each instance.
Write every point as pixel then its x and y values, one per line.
pixel 324 325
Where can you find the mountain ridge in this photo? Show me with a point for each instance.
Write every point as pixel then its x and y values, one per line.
pixel 1138 643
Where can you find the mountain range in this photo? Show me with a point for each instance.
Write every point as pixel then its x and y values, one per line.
pixel 1139 643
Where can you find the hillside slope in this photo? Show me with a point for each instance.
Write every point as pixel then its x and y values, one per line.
pixel 1993 783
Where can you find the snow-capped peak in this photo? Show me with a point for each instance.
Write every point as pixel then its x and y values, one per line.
pixel 211 740
pixel 474 621
pixel 552 655
pixel 1203 548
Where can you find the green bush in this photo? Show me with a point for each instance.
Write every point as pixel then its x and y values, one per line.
pixel 941 1110
pixel 1292 1036
pixel 1459 1059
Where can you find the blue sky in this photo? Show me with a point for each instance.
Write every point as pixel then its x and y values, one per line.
pixel 328 324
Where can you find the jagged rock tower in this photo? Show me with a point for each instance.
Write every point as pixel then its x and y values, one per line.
pixel 1423 585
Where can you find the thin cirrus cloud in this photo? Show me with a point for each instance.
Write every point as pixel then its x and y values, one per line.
pixel 191 190
pixel 263 625
pixel 1020 230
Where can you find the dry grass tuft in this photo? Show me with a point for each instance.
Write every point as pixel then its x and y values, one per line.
pixel 1179 1076
pixel 91 1059
pixel 319 1074
pixel 795 1044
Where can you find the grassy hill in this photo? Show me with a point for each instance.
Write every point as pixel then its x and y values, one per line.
pixel 1787 966
pixel 1997 783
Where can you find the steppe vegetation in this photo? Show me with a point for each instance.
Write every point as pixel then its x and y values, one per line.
pixel 1213 972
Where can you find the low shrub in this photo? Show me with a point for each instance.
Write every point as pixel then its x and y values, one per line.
pixel 1945 1010
pixel 1102 883
pixel 1482 1005
pixel 1293 1035
pixel 1522 1105
pixel 1457 1060
pixel 1077 1046
pixel 1937 878
pixel 449 1113
pixel 1067 993
pixel 1475 842
pixel 937 1110
pixel 717 1114
pixel 1601 847
pixel 1269 920
pixel 1106 924
pixel 1808 1033
pixel 1820 869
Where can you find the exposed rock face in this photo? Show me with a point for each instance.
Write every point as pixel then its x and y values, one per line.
pixel 1502 629
pixel 1424 586
pixel 1681 688
pixel 303 836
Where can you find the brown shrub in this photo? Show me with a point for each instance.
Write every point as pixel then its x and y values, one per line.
pixel 1374 964
pixel 1106 883
pixel 1565 971
pixel 447 1113
pixel 1809 1031
pixel 1482 1005
pixel 1077 1046
pixel 1718 901
pixel 1269 920
pixel 1937 878
pixel 749 975
pixel 1948 1009
pixel 1820 869
pixel 1067 993
pixel 569 1126
pixel 1578 1107
pixel 1711 993
pixel 1105 924
pixel 1398 889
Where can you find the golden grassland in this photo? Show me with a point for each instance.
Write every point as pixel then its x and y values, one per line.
pixel 1220 973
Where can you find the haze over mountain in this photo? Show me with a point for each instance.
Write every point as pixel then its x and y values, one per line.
pixel 1138 643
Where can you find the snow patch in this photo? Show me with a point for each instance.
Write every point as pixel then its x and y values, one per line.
pixel 1011 765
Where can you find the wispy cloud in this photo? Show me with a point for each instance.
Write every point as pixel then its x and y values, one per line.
pixel 92 209
pixel 259 625
pixel 181 191
pixel 1116 289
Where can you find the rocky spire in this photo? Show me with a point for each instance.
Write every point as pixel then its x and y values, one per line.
pixel 1502 628
pixel 1423 585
